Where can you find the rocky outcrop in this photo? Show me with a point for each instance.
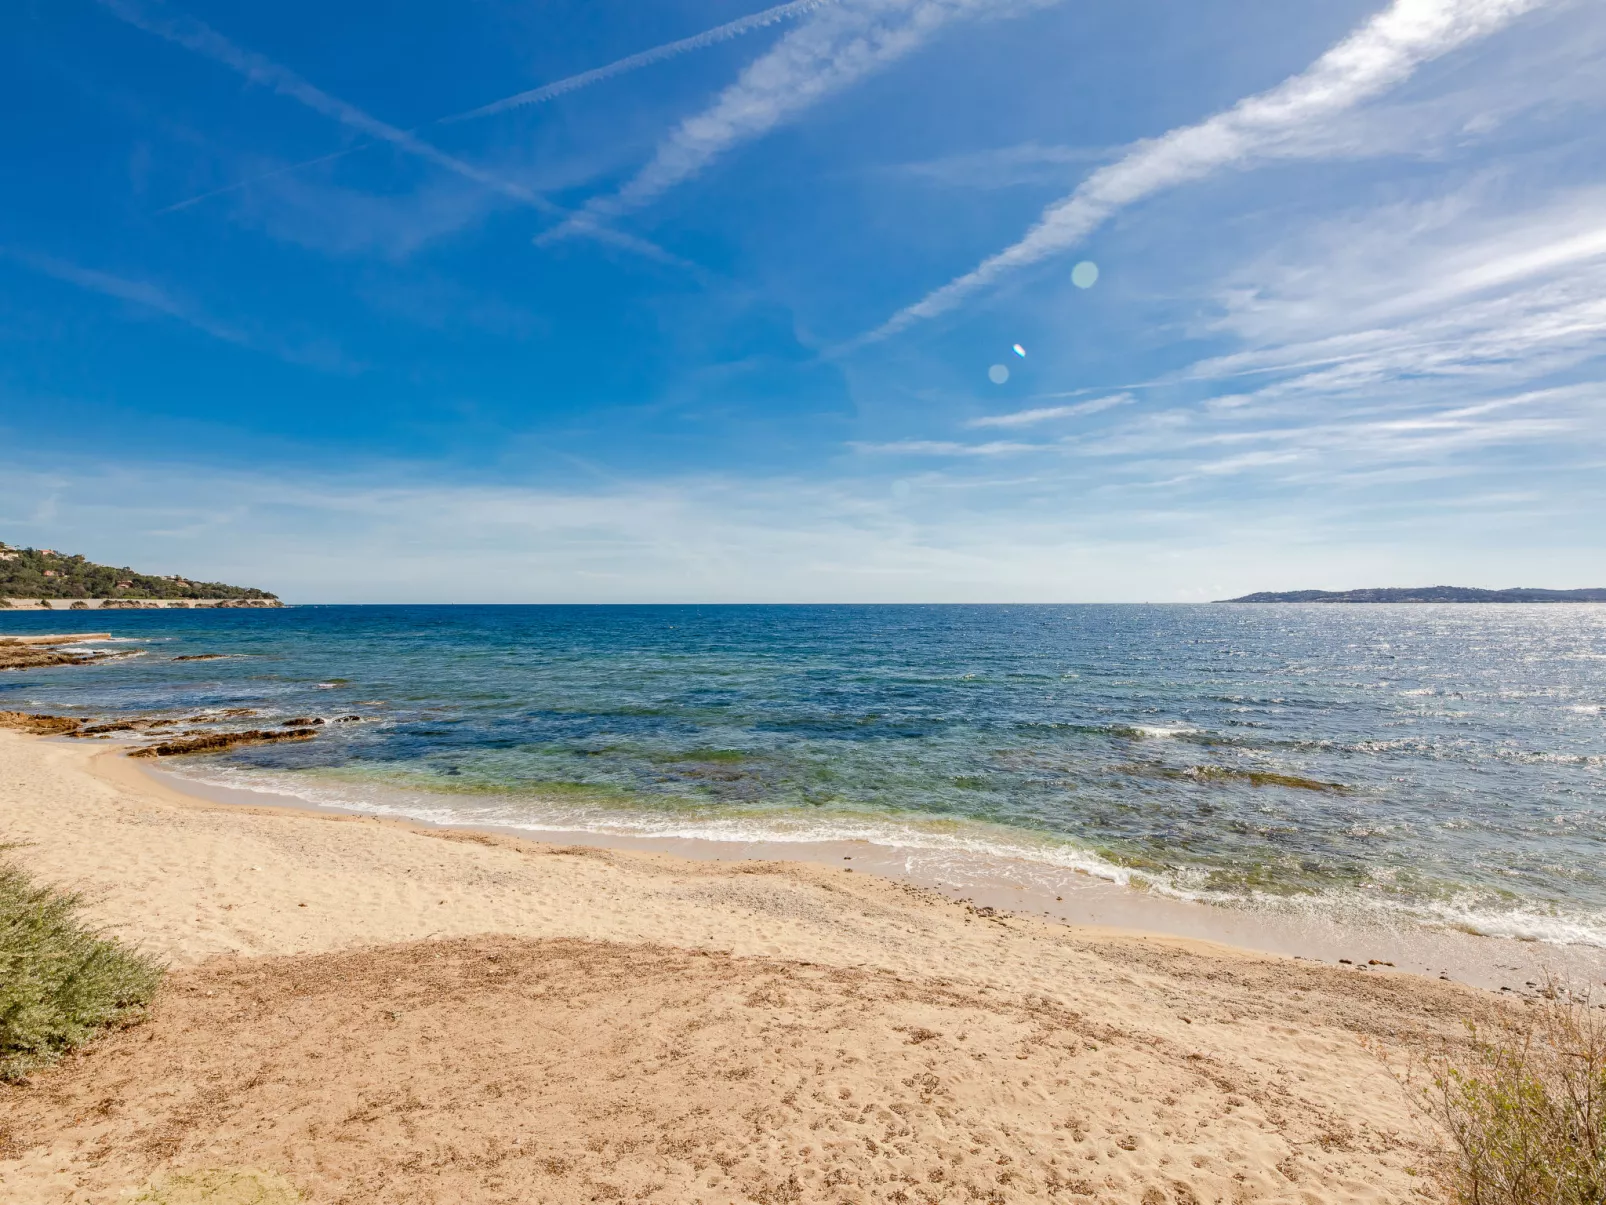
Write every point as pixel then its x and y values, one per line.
pixel 42 652
pixel 218 741
pixel 39 725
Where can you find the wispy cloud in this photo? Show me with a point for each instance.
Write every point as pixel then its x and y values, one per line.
pixel 136 292
pixel 1423 351
pixel 1279 122
pixel 319 354
pixel 944 447
pixel 1004 166
pixel 1439 292
pixel 360 537
pixel 334 219
pixel 691 539
pixel 838 47
pixel 1043 414
pixel 1417 441
pixel 204 40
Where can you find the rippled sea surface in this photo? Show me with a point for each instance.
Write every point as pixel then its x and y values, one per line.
pixel 1441 762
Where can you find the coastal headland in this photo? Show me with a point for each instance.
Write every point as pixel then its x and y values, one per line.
pixel 42 579
pixel 363 1010
pixel 1426 594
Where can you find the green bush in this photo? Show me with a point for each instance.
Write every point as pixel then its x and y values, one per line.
pixel 1526 1108
pixel 60 981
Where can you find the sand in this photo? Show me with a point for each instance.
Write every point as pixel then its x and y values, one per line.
pixel 364 1011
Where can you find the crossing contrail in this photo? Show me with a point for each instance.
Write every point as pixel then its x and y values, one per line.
pixel 536 96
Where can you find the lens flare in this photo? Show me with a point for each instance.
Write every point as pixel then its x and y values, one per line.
pixel 998 374
pixel 1085 274
pixel 1020 351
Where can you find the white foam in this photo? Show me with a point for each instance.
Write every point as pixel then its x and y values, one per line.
pixel 537 815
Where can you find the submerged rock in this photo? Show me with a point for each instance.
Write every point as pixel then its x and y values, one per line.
pixel 41 654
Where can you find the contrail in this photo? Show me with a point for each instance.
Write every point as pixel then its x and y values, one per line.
pixel 546 92
pixel 257 179
pixel 816 60
pixel 206 41
pixel 1380 54
pixel 669 50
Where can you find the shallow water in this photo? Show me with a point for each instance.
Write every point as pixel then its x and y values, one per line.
pixel 1440 763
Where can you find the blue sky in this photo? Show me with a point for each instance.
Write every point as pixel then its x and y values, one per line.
pixel 698 300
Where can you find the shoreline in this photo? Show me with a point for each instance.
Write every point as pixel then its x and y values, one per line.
pixel 133 788
pixel 1296 872
pixel 378 1010
pixel 1016 886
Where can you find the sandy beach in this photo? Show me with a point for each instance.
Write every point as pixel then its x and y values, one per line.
pixel 371 1011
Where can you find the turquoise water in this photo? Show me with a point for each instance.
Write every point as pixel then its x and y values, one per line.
pixel 1446 763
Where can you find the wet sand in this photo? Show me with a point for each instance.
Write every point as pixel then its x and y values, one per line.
pixel 1058 893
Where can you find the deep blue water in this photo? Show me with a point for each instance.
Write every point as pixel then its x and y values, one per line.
pixel 1444 762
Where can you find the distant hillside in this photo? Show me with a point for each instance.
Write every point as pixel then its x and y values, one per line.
pixel 45 573
pixel 1425 594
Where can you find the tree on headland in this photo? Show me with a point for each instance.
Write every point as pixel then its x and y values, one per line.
pixel 44 574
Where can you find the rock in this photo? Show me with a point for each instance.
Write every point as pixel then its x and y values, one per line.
pixel 218 741
pixel 38 724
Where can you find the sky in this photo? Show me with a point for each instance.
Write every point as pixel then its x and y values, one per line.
pixel 833 300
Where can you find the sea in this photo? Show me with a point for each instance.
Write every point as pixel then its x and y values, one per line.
pixel 1441 766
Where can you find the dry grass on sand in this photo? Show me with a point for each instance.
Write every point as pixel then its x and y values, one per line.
pixel 508 1070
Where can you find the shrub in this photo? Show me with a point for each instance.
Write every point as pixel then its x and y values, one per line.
pixel 1525 1107
pixel 60 981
